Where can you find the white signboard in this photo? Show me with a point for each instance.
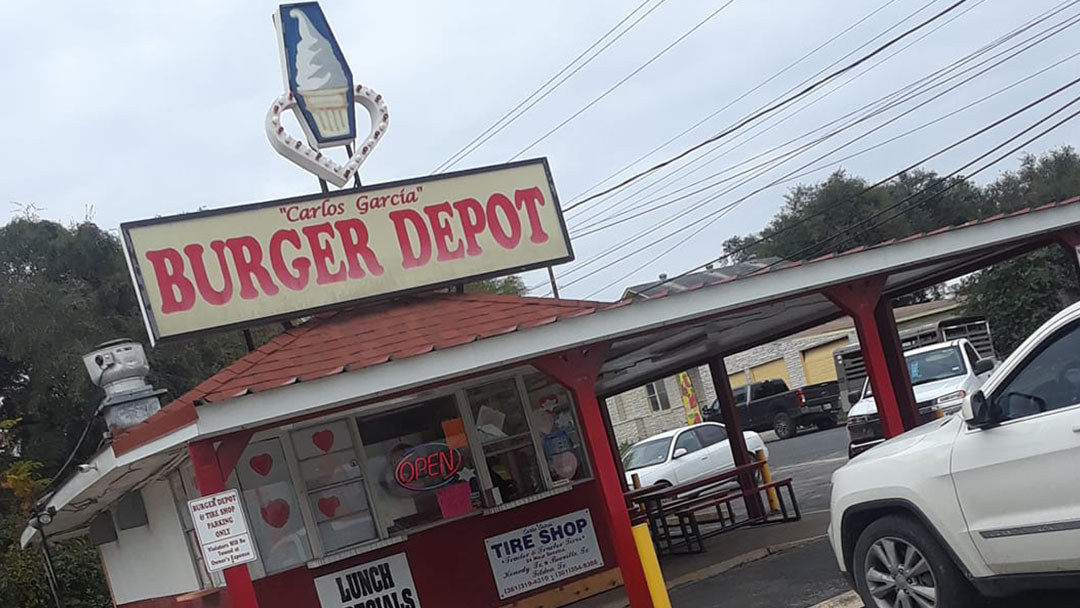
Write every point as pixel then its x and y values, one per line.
pixel 384 582
pixel 222 530
pixel 543 553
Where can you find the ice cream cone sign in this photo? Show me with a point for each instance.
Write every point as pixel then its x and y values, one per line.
pixel 322 94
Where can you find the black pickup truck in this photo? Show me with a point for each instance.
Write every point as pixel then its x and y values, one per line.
pixel 772 405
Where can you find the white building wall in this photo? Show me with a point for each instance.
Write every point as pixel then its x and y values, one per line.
pixel 152 560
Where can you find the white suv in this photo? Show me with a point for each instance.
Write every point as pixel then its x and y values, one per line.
pixel 984 503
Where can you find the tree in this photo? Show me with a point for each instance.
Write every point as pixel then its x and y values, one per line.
pixel 512 285
pixel 1019 295
pixel 1015 296
pixel 64 290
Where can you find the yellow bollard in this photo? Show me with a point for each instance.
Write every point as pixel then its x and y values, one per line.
pixel 766 477
pixel 653 576
pixel 637 481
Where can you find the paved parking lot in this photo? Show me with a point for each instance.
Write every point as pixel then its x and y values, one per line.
pixel 809 459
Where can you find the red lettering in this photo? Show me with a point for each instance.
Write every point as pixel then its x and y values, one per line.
pixel 354 237
pixel 433 465
pixel 247 257
pixel 177 292
pixel 472 220
pixel 323 255
pixel 531 199
pixel 443 233
pixel 410 258
pixel 446 462
pixel 301 265
pixel 214 297
pixel 507 239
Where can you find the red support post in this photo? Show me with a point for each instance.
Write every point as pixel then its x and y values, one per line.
pixel 577 370
pixel 881 351
pixel 211 476
pixel 736 441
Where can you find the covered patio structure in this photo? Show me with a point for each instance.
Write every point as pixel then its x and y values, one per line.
pixel 443 343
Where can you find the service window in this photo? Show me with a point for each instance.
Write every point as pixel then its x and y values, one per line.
pixel 420 465
pixel 506 440
pixel 273 512
pixel 555 426
pixel 333 478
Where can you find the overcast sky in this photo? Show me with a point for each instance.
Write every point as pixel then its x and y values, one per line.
pixel 135 109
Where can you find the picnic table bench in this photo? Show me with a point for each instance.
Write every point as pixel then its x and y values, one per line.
pixel 676 514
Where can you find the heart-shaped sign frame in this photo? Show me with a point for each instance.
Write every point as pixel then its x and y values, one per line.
pixel 314 161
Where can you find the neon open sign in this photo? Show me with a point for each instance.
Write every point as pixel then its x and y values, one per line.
pixel 428 466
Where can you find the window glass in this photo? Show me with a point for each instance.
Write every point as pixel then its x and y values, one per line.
pixel 740 394
pixel 1048 381
pixel 555 425
pixel 711 434
pixel 658 397
pixel 419 465
pixel 505 440
pixel 331 472
pixel 937 364
pixel 272 509
pixel 646 454
pixel 689 441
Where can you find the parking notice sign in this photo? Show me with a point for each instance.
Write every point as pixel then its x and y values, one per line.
pixel 222 530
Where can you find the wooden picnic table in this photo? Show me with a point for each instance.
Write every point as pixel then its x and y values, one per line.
pixel 657 504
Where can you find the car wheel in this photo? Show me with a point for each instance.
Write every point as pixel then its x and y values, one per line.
pixel 825 424
pixel 783 426
pixel 898 563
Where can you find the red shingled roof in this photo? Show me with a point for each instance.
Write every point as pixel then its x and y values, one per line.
pixel 353 339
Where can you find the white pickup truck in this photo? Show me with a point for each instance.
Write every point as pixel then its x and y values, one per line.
pixel 983 503
pixel 942 375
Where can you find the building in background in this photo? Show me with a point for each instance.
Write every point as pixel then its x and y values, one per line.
pixel 799 360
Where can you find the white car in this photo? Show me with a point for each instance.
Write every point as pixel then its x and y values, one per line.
pixel 984 503
pixel 685 454
pixel 942 375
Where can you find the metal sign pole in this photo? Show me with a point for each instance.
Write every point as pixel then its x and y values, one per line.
pixel 554 285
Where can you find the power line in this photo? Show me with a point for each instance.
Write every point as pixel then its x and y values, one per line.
pixel 801 221
pixel 800 254
pixel 769 109
pixel 761 84
pixel 741 97
pixel 633 238
pixel 499 125
pixel 869 220
pixel 609 209
pixel 618 84
pixel 885 99
pixel 600 226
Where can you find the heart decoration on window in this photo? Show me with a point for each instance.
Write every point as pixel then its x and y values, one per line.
pixel 329 505
pixel 314 161
pixel 324 440
pixel 275 513
pixel 261 464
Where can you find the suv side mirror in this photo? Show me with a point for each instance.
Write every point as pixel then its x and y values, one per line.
pixel 679 453
pixel 982 366
pixel 853 397
pixel 979 413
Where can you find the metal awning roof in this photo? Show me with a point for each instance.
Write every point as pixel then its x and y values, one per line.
pixel 793 301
